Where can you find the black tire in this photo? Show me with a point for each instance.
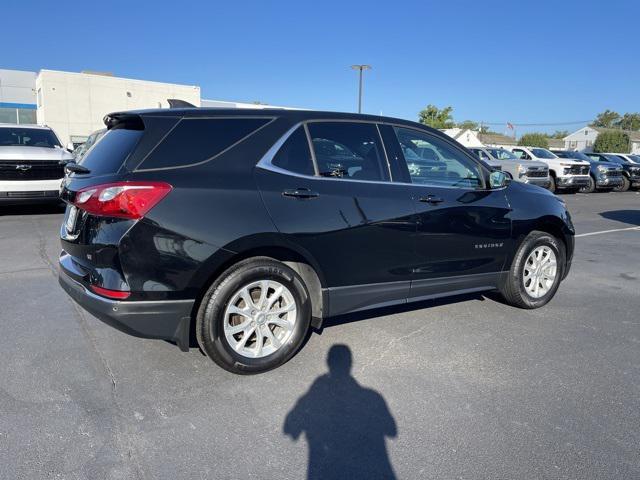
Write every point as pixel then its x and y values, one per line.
pixel 210 317
pixel 512 288
pixel 552 184
pixel 589 188
pixel 626 184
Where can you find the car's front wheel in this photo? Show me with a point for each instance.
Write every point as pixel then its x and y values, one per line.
pixel 535 272
pixel 626 184
pixel 589 188
pixel 254 317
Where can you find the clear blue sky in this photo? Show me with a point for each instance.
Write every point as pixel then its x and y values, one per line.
pixel 518 61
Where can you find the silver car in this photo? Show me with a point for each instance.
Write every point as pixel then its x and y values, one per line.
pixel 529 171
pixel 31 164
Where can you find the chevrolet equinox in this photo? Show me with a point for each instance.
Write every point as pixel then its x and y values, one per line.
pixel 240 230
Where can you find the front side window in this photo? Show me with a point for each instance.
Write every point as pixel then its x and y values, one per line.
pixel 502 154
pixel 348 150
pixel 294 155
pixel 28 137
pixel 431 161
pixel 521 154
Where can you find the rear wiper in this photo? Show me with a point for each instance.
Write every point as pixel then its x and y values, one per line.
pixel 74 167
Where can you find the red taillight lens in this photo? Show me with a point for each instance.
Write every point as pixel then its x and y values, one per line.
pixel 105 292
pixel 123 199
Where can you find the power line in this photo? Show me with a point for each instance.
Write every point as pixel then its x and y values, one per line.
pixel 550 124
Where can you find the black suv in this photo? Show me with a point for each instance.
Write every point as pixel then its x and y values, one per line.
pixel 243 229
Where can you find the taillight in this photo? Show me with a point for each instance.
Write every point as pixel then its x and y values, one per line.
pixel 122 199
pixel 114 294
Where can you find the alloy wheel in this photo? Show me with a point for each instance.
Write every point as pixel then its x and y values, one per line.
pixel 540 271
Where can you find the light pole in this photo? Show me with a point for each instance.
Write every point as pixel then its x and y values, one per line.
pixel 361 68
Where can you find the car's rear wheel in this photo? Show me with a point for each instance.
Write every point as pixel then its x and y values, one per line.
pixel 626 184
pixel 254 317
pixel 536 271
pixel 589 188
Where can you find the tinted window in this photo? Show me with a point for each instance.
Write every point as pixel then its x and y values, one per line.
pixel 348 150
pixel 194 140
pixel 294 155
pixel 108 155
pixel 573 155
pixel 28 137
pixel 431 161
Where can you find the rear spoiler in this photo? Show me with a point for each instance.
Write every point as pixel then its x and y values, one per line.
pixel 131 121
pixel 175 103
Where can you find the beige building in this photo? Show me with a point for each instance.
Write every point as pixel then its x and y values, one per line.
pixel 74 104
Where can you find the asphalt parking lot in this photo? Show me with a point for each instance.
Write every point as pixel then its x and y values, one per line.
pixel 460 388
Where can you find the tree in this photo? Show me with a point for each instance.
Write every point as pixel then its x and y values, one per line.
pixel 606 119
pixel 534 140
pixel 629 121
pixel 559 134
pixel 468 125
pixel 612 141
pixel 436 118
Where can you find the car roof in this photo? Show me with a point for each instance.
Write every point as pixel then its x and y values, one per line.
pixel 297 115
pixel 24 125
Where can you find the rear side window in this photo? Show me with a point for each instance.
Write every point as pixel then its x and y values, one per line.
pixel 108 155
pixel 194 140
pixel 348 150
pixel 294 155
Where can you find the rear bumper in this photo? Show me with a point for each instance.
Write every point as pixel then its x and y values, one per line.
pixel 166 319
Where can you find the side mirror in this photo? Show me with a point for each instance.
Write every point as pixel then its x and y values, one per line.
pixel 498 179
pixel 70 147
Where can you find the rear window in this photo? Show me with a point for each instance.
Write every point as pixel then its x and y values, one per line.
pixel 194 140
pixel 108 155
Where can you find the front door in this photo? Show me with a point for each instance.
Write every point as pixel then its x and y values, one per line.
pixel 463 229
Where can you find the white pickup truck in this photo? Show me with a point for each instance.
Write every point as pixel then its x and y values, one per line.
pixel 31 164
pixel 564 173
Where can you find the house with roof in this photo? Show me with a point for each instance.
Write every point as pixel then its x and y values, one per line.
pixel 582 140
pixel 468 138
pixel 497 140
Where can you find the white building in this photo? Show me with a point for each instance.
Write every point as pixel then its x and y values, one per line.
pixel 17 96
pixel 583 139
pixel 74 104
pixel 468 138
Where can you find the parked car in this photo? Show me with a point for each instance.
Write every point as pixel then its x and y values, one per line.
pixel 604 176
pixel 30 169
pixel 630 171
pixel 80 151
pixel 526 171
pixel 629 156
pixel 248 227
pixel 564 174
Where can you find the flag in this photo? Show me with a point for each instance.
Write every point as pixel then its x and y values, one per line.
pixel 509 126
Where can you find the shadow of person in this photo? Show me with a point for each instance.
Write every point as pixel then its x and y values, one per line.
pixel 345 424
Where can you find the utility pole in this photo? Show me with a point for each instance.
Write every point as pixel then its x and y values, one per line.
pixel 360 68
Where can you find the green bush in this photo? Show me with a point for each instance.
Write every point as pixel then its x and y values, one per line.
pixel 534 140
pixel 614 142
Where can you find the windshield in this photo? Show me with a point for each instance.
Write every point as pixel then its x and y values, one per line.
pixel 614 158
pixel 624 159
pixel 502 154
pixel 635 158
pixel 542 153
pixel 573 155
pixel 28 137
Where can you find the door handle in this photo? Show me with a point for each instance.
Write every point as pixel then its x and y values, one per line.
pixel 432 199
pixel 300 193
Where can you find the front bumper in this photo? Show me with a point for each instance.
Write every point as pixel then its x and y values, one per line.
pixel 573 181
pixel 539 181
pixel 608 182
pixel 167 319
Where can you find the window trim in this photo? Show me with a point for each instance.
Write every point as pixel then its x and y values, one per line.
pixel 265 161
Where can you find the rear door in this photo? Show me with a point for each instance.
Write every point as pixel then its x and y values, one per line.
pixel 463 230
pixel 328 189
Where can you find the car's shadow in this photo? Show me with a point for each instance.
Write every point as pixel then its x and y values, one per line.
pixel 34 209
pixel 630 217
pixel 407 307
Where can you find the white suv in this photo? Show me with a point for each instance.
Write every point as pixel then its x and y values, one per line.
pixel 564 173
pixel 31 164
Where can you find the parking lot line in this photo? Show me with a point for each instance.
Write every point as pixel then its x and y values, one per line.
pixel 607 231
